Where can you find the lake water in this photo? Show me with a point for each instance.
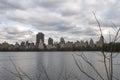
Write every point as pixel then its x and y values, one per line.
pixel 52 65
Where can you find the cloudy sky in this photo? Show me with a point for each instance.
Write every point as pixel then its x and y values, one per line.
pixel 20 20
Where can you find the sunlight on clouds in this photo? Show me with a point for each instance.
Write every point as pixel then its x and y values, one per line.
pixel 27 36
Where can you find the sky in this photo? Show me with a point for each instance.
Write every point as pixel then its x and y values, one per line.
pixel 21 20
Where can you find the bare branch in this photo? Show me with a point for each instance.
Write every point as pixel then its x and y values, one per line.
pixel 98 23
pixel 82 70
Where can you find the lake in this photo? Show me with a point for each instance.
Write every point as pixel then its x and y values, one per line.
pixel 52 65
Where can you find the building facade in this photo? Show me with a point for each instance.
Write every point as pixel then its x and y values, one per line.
pixel 50 41
pixel 39 36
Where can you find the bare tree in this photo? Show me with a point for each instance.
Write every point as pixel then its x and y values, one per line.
pixel 107 57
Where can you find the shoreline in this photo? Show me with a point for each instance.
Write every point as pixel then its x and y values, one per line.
pixel 60 51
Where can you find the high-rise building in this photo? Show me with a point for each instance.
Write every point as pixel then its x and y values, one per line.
pixel 50 41
pixel 86 43
pixel 39 36
pixel 91 44
pixel 41 45
pixel 101 41
pixel 62 40
pixel 62 43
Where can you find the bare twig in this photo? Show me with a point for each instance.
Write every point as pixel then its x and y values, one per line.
pixel 82 70
pixel 24 73
pixel 44 69
pixel 105 64
pixel 98 23
pixel 20 76
pixel 89 63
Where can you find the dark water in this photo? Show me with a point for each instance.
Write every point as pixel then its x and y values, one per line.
pixel 51 65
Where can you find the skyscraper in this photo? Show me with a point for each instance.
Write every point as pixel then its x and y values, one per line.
pixel 50 41
pixel 39 36
pixel 101 41
pixel 91 43
pixel 62 40
pixel 62 43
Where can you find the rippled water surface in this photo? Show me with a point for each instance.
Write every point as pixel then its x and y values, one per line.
pixel 52 65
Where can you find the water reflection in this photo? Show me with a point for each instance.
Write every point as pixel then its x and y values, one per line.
pixel 22 61
pixel 55 65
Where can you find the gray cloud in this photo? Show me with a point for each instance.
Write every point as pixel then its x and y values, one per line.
pixel 58 15
pixel 15 33
pixel 50 3
pixel 87 32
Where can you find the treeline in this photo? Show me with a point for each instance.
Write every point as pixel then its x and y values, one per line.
pixel 114 47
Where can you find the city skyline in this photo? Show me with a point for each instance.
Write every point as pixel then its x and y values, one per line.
pixel 41 36
pixel 71 19
pixel 62 45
